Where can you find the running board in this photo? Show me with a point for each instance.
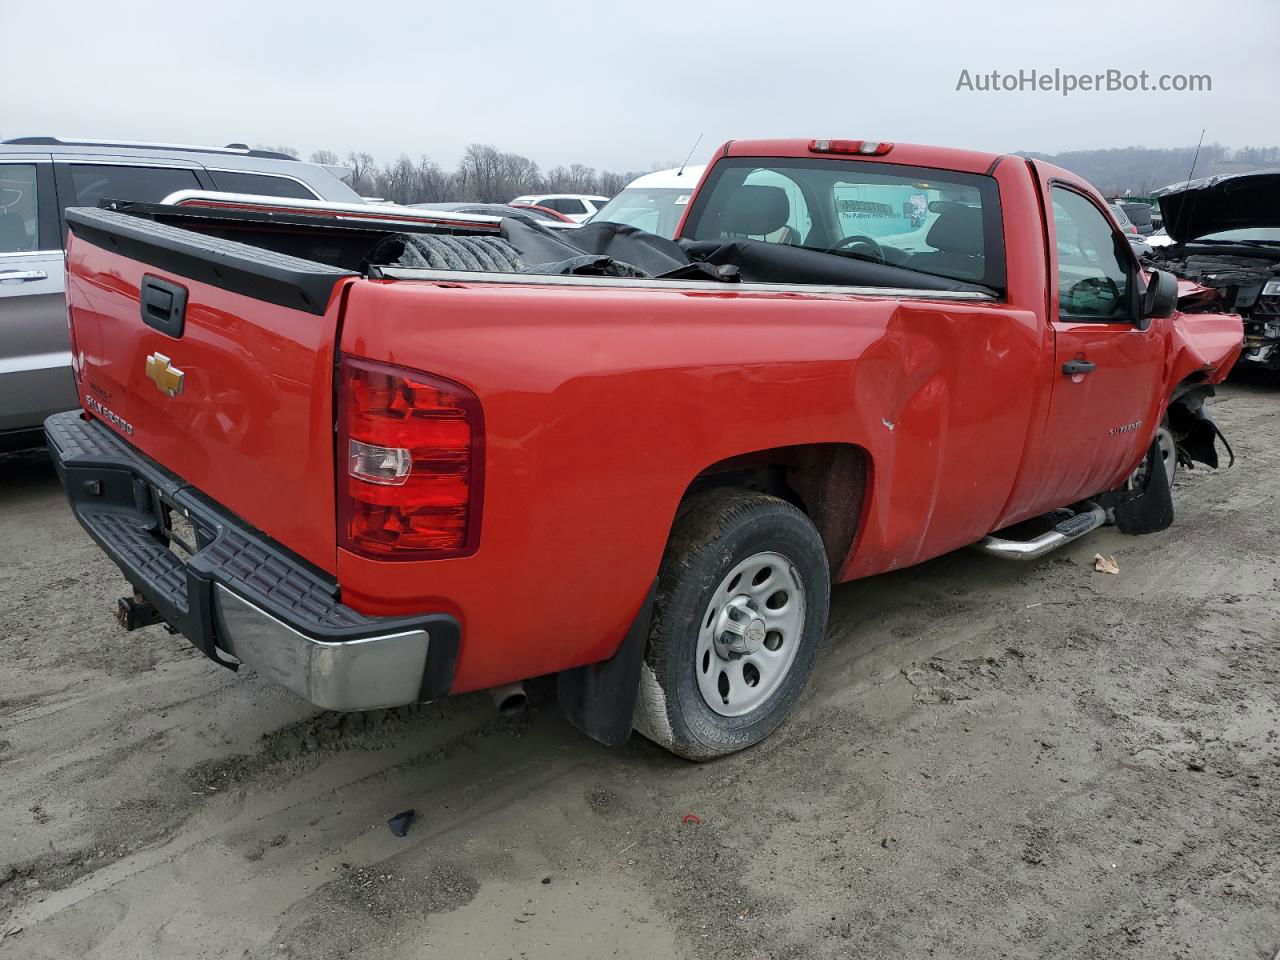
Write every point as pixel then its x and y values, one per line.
pixel 1089 519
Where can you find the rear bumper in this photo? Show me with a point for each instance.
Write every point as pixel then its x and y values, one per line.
pixel 239 594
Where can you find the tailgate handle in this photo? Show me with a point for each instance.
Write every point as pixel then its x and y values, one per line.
pixel 163 305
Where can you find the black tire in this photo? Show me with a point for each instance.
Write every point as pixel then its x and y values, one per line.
pixel 714 532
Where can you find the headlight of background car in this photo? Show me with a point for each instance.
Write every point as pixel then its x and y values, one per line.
pixel 1271 289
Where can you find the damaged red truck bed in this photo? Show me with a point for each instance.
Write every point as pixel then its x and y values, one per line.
pixel 382 464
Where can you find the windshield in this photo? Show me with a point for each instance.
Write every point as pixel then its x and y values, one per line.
pixel 1255 234
pixel 655 209
pixel 932 221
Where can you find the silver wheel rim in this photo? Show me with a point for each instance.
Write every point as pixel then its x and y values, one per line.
pixel 1168 448
pixel 749 634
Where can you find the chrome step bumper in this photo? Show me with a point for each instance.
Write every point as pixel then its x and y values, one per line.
pixel 238 593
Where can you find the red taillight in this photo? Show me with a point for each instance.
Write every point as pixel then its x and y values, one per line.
pixel 410 463
pixel 867 148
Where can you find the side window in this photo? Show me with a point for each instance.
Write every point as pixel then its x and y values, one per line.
pixel 260 184
pixel 92 182
pixel 572 207
pixel 1093 274
pixel 19 213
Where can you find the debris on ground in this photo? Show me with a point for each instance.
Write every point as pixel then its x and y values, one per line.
pixel 399 824
pixel 1104 564
pixel 692 818
pixel 933 685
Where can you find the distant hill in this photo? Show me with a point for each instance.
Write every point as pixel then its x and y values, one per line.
pixel 1137 171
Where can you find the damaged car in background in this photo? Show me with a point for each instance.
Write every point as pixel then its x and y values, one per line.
pixel 1226 241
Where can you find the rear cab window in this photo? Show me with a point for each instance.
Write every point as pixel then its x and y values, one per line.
pixel 939 222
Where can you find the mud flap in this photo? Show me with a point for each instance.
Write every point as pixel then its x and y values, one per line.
pixel 1150 509
pixel 600 698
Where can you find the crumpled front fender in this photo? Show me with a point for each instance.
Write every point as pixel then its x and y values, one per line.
pixel 1204 347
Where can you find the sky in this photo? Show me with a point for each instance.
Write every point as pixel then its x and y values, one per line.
pixel 630 86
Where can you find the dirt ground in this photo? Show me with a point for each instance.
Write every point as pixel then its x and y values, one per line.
pixel 992 760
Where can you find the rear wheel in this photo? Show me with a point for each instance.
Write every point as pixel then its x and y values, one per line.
pixel 738 619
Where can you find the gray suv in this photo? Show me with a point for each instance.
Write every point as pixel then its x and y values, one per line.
pixel 39 178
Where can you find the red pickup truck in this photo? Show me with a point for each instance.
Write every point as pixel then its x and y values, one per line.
pixel 381 462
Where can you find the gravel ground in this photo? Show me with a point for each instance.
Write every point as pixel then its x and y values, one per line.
pixel 991 761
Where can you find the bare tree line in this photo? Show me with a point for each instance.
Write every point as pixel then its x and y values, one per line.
pixel 485 174
pixel 488 174
pixel 1139 170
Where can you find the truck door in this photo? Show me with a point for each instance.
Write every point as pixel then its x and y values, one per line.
pixel 1108 364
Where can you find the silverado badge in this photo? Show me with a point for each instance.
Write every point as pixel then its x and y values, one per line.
pixel 166 377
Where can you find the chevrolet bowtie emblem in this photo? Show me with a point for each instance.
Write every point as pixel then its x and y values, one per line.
pixel 166 377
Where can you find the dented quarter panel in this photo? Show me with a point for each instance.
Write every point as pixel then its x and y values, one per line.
pixel 603 404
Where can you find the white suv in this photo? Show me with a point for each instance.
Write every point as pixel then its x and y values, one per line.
pixel 576 206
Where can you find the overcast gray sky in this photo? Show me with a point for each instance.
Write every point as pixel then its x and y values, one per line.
pixel 623 86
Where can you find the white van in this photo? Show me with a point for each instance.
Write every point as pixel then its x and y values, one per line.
pixel 654 202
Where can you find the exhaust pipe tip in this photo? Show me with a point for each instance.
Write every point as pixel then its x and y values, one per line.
pixel 509 698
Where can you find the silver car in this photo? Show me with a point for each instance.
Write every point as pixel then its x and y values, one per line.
pixel 39 178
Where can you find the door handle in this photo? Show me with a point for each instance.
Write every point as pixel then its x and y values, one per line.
pixel 1073 367
pixel 22 276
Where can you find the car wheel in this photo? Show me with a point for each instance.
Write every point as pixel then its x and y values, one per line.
pixel 738 619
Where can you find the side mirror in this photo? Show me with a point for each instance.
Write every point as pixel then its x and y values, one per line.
pixel 1161 295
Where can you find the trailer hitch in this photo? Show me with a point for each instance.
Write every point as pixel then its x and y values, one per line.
pixel 137 611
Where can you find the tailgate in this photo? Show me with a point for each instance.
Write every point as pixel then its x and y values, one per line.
pixel 215 359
